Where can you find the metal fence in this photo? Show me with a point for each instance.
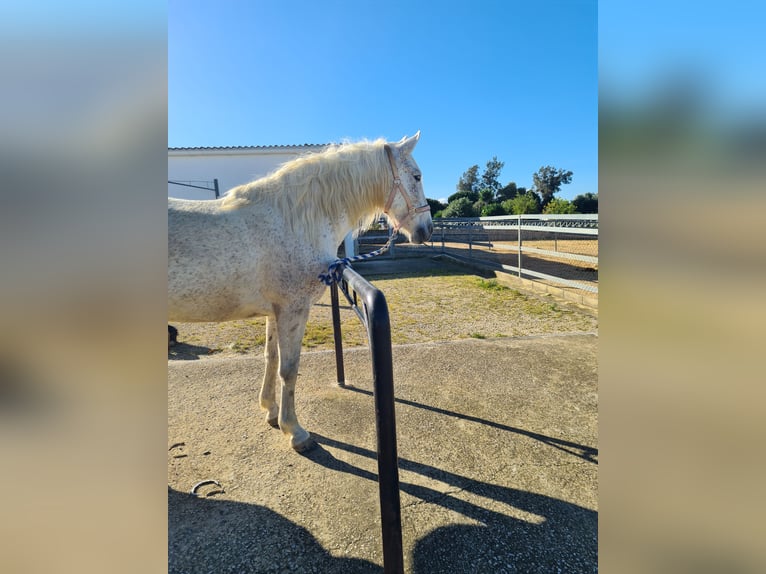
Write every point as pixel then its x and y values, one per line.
pixel 561 250
pixel 557 249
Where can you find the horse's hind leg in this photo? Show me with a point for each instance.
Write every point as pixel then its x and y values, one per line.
pixel 271 354
pixel 291 324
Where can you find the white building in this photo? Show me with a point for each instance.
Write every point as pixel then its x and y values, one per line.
pixel 203 172
pixel 202 167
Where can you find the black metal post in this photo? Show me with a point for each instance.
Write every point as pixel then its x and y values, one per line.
pixel 374 315
pixel 385 422
pixel 215 184
pixel 337 335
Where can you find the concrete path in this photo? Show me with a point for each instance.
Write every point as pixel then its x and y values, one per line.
pixel 498 462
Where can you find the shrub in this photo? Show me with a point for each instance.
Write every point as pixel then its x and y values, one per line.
pixel 471 195
pixel 462 207
pixel 558 205
pixel 526 203
pixel 587 203
pixel 435 205
pixel 493 209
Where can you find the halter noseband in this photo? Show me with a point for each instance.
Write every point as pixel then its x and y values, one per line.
pixel 397 186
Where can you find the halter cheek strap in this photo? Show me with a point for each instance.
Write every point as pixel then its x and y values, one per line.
pixel 397 187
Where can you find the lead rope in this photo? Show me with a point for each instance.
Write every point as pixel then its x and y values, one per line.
pixel 335 270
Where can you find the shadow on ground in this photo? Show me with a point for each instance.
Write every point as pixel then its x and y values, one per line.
pixel 549 535
pixel 540 535
pixel 185 352
pixel 587 453
pixel 497 476
pixel 407 267
pixel 207 535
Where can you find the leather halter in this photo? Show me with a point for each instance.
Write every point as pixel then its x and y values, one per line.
pixel 397 186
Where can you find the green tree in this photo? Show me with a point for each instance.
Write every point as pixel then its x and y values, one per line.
pixel 586 203
pixel 487 195
pixel 558 205
pixel 469 181
pixel 472 196
pixel 461 207
pixel 490 178
pixel 492 209
pixel 435 205
pixel 521 204
pixel 548 181
pixel 508 192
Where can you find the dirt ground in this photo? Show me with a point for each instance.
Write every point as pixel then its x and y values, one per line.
pixel 496 400
pixel 487 249
pixel 434 304
pixel 497 450
pixel 507 254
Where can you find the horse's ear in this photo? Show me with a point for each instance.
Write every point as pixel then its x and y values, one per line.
pixel 408 144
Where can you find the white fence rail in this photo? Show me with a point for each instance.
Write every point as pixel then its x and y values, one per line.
pixel 560 249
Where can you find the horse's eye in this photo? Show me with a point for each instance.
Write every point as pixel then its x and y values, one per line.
pixel 417 177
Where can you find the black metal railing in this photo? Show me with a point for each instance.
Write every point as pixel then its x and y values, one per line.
pixel 209 185
pixel 370 306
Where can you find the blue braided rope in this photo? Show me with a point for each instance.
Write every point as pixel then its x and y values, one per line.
pixel 335 269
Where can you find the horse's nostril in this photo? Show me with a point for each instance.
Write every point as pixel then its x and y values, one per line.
pixel 423 233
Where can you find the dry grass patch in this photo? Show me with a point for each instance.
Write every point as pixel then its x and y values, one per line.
pixel 442 306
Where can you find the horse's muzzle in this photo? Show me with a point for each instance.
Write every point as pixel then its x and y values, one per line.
pixel 422 233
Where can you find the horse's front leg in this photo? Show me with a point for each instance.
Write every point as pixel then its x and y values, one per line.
pixel 271 354
pixel 291 324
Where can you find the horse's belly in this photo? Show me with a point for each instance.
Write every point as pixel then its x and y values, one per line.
pixel 213 310
pixel 204 294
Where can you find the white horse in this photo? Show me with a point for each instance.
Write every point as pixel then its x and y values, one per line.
pixel 258 251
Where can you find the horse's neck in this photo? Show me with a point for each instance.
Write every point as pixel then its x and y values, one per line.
pixel 346 222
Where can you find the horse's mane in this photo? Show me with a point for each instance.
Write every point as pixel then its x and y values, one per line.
pixel 343 178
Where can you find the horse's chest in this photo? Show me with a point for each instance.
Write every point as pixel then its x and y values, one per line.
pixel 299 282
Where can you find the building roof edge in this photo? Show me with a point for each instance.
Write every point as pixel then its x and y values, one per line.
pixel 247 147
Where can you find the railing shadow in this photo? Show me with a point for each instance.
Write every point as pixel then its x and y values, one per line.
pixel 537 534
pixel 584 452
pixel 208 535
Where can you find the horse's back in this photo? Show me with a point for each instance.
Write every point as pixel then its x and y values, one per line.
pixel 196 229
pixel 231 264
pixel 207 261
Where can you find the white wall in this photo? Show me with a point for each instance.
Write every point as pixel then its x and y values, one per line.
pixel 231 166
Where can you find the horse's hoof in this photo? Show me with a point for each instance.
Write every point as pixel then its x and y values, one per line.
pixel 305 445
pixel 273 421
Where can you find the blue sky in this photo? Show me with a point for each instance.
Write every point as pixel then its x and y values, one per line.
pixel 516 80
